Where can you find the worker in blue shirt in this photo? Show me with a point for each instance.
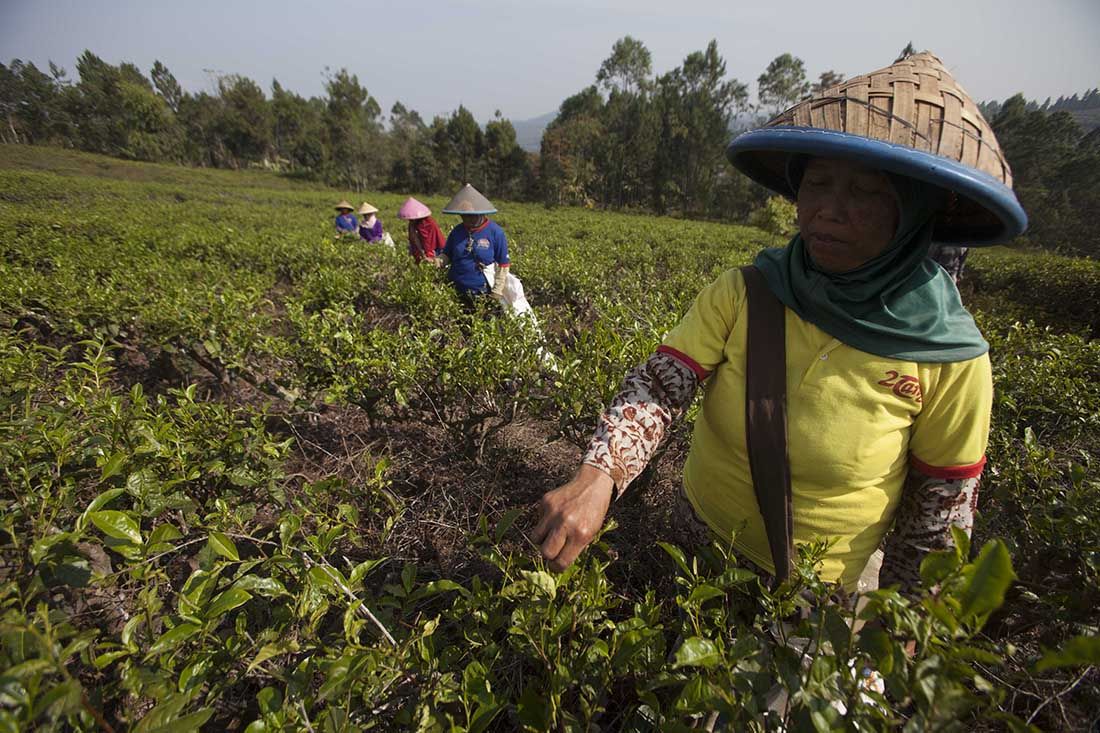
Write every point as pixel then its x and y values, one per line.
pixel 346 222
pixel 477 249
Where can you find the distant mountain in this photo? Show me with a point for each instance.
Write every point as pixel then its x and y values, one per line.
pixel 529 132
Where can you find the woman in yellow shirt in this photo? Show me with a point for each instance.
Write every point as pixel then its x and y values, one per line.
pixel 889 387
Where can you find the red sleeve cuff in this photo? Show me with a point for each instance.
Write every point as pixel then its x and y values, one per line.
pixel 685 360
pixel 949 473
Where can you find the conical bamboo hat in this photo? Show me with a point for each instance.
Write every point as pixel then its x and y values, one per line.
pixel 911 118
pixel 469 200
pixel 344 205
pixel 413 209
pixel 366 209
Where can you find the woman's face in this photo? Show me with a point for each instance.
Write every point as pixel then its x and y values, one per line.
pixel 847 213
pixel 472 221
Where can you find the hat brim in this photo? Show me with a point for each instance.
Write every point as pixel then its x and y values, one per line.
pixel 475 213
pixel 985 212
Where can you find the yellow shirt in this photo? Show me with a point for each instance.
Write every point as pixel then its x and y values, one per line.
pixel 855 421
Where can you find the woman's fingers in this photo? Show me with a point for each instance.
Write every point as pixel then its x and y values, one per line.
pixel 538 534
pixel 554 543
pixel 571 515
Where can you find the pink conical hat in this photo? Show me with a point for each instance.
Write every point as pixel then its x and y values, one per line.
pixel 413 209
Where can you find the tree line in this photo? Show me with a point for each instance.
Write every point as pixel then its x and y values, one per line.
pixel 633 139
pixel 657 142
pixel 341 138
pixel 1056 167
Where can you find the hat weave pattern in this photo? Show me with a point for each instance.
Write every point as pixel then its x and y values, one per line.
pixel 914 102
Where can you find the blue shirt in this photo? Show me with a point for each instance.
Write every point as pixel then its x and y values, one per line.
pixel 347 223
pixel 466 250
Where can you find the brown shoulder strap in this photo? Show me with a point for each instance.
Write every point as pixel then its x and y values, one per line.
pixel 766 416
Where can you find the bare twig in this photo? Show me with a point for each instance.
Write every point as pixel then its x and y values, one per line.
pixel 1056 697
pixel 305 716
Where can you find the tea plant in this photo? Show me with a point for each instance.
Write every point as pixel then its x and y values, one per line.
pixel 253 477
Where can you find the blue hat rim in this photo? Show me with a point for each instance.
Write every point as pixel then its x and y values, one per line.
pixel 991 212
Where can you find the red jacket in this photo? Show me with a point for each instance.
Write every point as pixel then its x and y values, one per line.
pixel 425 239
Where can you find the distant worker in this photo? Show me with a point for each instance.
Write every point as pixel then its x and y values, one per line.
pixel 346 223
pixel 951 257
pixel 370 226
pixel 476 250
pixel 425 239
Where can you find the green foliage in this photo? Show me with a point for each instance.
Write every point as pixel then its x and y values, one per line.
pixel 1052 290
pixel 1057 175
pixel 168 352
pixel 777 216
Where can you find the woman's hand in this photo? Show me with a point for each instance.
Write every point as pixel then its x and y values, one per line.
pixel 571 515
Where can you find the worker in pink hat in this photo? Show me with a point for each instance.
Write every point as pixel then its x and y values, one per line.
pixel 425 237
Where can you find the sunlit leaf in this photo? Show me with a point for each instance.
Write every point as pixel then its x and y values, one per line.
pixel 988 577
pixel 116 524
pixel 112 466
pixel 226 601
pixel 224 546
pixel 696 652
pixel 543 581
pixel 173 638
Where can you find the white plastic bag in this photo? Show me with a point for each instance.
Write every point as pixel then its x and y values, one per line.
pixel 513 299
pixel 490 272
pixel 514 303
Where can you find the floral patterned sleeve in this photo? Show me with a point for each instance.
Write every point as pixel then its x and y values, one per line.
pixel 929 508
pixel 653 395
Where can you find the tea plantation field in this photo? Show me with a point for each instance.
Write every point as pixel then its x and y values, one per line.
pixel 253 478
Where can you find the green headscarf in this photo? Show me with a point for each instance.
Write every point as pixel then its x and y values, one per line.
pixel 900 305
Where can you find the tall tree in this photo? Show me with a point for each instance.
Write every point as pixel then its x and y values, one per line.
pixel 696 104
pixel 297 131
pixel 117 112
pixel 567 167
pixel 627 69
pixel 245 124
pixel 1057 175
pixel 415 166
pixel 32 105
pixel 826 80
pixel 467 142
pixel 783 83
pixel 354 131
pixel 625 152
pixel 166 85
pixel 504 169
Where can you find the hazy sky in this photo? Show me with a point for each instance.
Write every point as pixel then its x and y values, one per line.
pixel 525 57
